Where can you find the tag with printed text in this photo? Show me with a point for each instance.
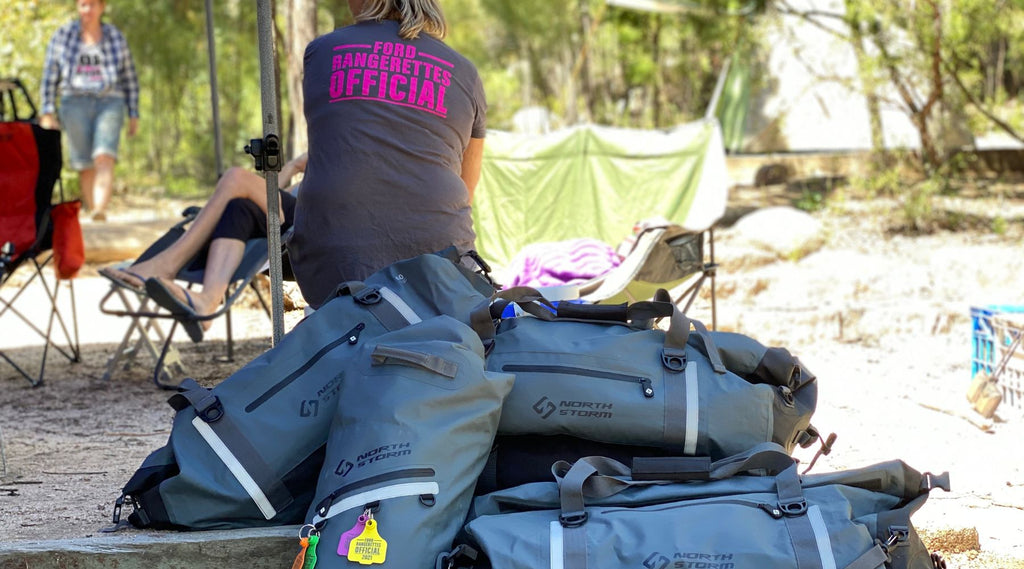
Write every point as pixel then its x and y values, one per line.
pixel 347 537
pixel 369 547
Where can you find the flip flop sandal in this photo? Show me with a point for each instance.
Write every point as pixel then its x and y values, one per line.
pixel 184 313
pixel 117 277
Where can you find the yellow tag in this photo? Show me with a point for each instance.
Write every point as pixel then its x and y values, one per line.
pixel 369 547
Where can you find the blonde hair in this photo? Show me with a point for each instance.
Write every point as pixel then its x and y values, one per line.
pixel 415 16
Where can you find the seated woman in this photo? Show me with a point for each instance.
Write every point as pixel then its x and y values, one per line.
pixel 235 213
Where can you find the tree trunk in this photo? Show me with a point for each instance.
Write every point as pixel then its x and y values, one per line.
pixel 867 80
pixel 301 18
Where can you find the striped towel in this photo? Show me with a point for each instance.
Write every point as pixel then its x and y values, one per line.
pixel 562 262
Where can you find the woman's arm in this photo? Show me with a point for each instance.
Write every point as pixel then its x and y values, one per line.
pixel 48 89
pixel 291 168
pixel 472 161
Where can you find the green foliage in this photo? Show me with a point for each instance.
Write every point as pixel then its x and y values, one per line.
pixel 1000 225
pixel 810 200
pixel 918 206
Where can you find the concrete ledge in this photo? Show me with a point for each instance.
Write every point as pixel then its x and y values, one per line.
pixel 269 548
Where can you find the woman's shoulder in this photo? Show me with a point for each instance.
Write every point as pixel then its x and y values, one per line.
pixel 112 31
pixel 68 28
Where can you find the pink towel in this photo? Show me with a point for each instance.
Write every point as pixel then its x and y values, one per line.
pixel 562 262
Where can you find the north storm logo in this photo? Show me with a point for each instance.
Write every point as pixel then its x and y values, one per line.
pixel 309 408
pixel 656 561
pixel 344 467
pixel 689 560
pixel 544 407
pixel 592 409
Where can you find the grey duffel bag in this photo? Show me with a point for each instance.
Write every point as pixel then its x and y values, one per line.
pixel 247 452
pixel 600 515
pixel 606 374
pixel 415 419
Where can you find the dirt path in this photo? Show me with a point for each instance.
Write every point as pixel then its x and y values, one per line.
pixel 883 322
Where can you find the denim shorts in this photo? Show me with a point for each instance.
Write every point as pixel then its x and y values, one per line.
pixel 92 126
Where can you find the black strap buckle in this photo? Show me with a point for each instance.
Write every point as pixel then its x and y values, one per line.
pixel 898 535
pixel 673 360
pixel 573 519
pixel 462 553
pixel 368 296
pixel 793 509
pixel 118 504
pixel 210 409
pixel 931 481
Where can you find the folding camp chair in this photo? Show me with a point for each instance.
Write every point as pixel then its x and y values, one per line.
pixel 144 333
pixel 30 165
pixel 664 256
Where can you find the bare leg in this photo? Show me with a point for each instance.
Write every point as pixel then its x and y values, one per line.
pixel 103 183
pixel 235 183
pixel 86 181
pixel 222 260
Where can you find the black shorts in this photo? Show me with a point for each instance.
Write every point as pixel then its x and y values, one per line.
pixel 244 220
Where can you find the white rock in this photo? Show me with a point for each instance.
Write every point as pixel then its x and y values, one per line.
pixel 785 231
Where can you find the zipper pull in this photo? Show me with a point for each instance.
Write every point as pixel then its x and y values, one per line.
pixel 353 334
pixel 773 511
pixel 647 386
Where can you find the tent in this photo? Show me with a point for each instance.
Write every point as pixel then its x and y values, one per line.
pixel 596 181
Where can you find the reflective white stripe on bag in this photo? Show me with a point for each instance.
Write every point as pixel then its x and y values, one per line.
pixel 235 467
pixel 692 410
pixel 377 494
pixel 828 558
pixel 556 550
pixel 404 309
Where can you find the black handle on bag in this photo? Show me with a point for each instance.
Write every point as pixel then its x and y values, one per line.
pixel 674 468
pixel 604 312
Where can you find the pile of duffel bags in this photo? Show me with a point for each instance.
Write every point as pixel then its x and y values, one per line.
pixel 408 424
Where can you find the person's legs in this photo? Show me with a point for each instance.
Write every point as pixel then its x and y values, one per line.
pixel 102 186
pixel 236 183
pixel 78 122
pixel 222 259
pixel 86 182
pixel 109 119
pixel 243 219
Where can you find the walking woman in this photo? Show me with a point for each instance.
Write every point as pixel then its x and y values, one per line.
pixel 89 68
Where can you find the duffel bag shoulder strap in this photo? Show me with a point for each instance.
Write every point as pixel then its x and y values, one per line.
pixel 389 309
pixel 234 448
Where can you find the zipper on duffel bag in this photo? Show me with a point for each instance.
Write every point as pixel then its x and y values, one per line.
pixel 772 510
pixel 351 338
pixel 646 386
pixel 426 490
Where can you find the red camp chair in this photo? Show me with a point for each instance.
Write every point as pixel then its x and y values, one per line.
pixel 30 165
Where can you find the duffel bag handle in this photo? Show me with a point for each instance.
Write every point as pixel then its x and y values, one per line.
pixel 606 477
pixel 533 302
pixel 601 477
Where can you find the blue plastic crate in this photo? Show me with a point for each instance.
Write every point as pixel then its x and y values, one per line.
pixel 984 342
pixel 992 334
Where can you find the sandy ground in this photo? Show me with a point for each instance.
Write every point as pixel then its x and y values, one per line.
pixel 884 322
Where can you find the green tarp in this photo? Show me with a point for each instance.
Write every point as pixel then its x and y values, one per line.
pixel 592 181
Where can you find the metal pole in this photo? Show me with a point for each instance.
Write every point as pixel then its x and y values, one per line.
pixel 211 49
pixel 268 88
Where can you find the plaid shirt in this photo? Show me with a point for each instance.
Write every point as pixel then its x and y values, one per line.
pixel 118 67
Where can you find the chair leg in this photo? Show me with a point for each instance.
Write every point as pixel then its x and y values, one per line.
pixel 33 381
pixel 168 365
pixel 161 362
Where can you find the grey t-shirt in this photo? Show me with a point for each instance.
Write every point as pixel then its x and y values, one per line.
pixel 389 120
